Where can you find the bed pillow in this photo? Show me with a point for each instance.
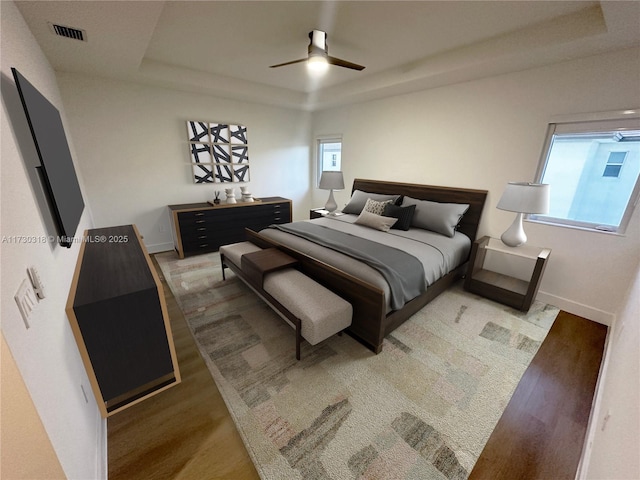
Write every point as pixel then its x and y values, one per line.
pixel 403 214
pixel 359 198
pixel 378 222
pixel 375 206
pixel 438 217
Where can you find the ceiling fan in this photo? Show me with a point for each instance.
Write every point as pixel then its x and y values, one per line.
pixel 318 54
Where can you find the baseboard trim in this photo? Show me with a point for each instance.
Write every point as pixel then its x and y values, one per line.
pixel 159 247
pixel 585 311
pixel 102 467
pixel 594 414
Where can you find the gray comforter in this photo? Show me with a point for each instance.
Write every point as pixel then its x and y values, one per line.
pixel 402 271
pixel 438 254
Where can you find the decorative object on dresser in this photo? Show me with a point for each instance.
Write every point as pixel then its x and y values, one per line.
pixel 202 227
pixel 506 288
pixel 246 195
pixel 331 181
pixel 522 197
pixel 119 319
pixel 219 152
pixel 231 196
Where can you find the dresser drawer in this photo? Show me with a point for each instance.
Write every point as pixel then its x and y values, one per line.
pixel 197 215
pixel 191 219
pixel 213 242
pixel 192 230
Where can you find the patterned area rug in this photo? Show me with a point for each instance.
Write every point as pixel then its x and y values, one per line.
pixel 422 409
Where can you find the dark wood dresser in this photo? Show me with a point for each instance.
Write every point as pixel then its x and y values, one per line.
pixel 119 319
pixel 202 227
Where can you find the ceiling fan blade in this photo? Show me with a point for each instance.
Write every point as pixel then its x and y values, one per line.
pixel 289 63
pixel 344 63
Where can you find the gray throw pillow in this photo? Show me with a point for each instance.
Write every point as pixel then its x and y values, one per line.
pixel 438 217
pixel 359 198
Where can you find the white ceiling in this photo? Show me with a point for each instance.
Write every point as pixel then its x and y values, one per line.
pixel 224 48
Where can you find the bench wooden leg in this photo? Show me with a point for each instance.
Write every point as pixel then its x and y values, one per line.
pixel 298 338
pixel 223 266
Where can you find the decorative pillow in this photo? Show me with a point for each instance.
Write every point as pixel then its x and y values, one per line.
pixel 374 206
pixel 403 214
pixel 438 217
pixel 359 198
pixel 378 222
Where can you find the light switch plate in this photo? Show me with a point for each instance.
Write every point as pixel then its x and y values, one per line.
pixel 26 300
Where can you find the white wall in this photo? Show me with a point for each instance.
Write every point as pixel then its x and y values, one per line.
pixel 612 451
pixel 19 415
pixel 484 133
pixel 133 151
pixel 46 353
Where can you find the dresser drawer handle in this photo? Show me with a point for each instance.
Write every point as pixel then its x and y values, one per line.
pixel 199 221
pixel 201 229
pixel 203 245
pixel 202 236
pixel 199 214
pixel 276 218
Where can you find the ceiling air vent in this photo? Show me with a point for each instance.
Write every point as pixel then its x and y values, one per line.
pixel 69 32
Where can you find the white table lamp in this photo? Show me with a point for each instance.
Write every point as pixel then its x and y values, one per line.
pixel 331 180
pixel 522 197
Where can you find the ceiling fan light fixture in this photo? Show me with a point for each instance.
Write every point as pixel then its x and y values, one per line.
pixel 318 59
pixel 317 64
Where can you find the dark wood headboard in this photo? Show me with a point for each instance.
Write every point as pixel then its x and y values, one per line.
pixel 475 198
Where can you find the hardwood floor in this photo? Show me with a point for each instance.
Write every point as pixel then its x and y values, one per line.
pixel 183 433
pixel 186 432
pixel 542 431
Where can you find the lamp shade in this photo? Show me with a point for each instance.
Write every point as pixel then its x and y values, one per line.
pixel 524 197
pixel 331 180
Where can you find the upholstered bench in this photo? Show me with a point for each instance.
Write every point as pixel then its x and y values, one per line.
pixel 315 311
pixel 322 312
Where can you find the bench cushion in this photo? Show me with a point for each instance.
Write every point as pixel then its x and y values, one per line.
pixel 234 251
pixel 321 312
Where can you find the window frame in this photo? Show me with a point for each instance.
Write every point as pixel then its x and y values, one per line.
pixel 320 140
pixel 588 123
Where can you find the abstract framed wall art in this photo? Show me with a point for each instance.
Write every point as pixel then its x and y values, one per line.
pixel 218 152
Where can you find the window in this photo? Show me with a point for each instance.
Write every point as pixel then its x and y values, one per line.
pixel 592 168
pixel 614 164
pixel 328 154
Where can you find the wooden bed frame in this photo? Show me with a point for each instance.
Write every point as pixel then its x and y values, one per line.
pixel 370 322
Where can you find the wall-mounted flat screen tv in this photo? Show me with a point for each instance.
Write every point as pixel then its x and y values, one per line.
pixel 56 166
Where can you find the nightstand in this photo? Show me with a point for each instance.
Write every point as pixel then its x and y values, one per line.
pixel 503 288
pixel 318 213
